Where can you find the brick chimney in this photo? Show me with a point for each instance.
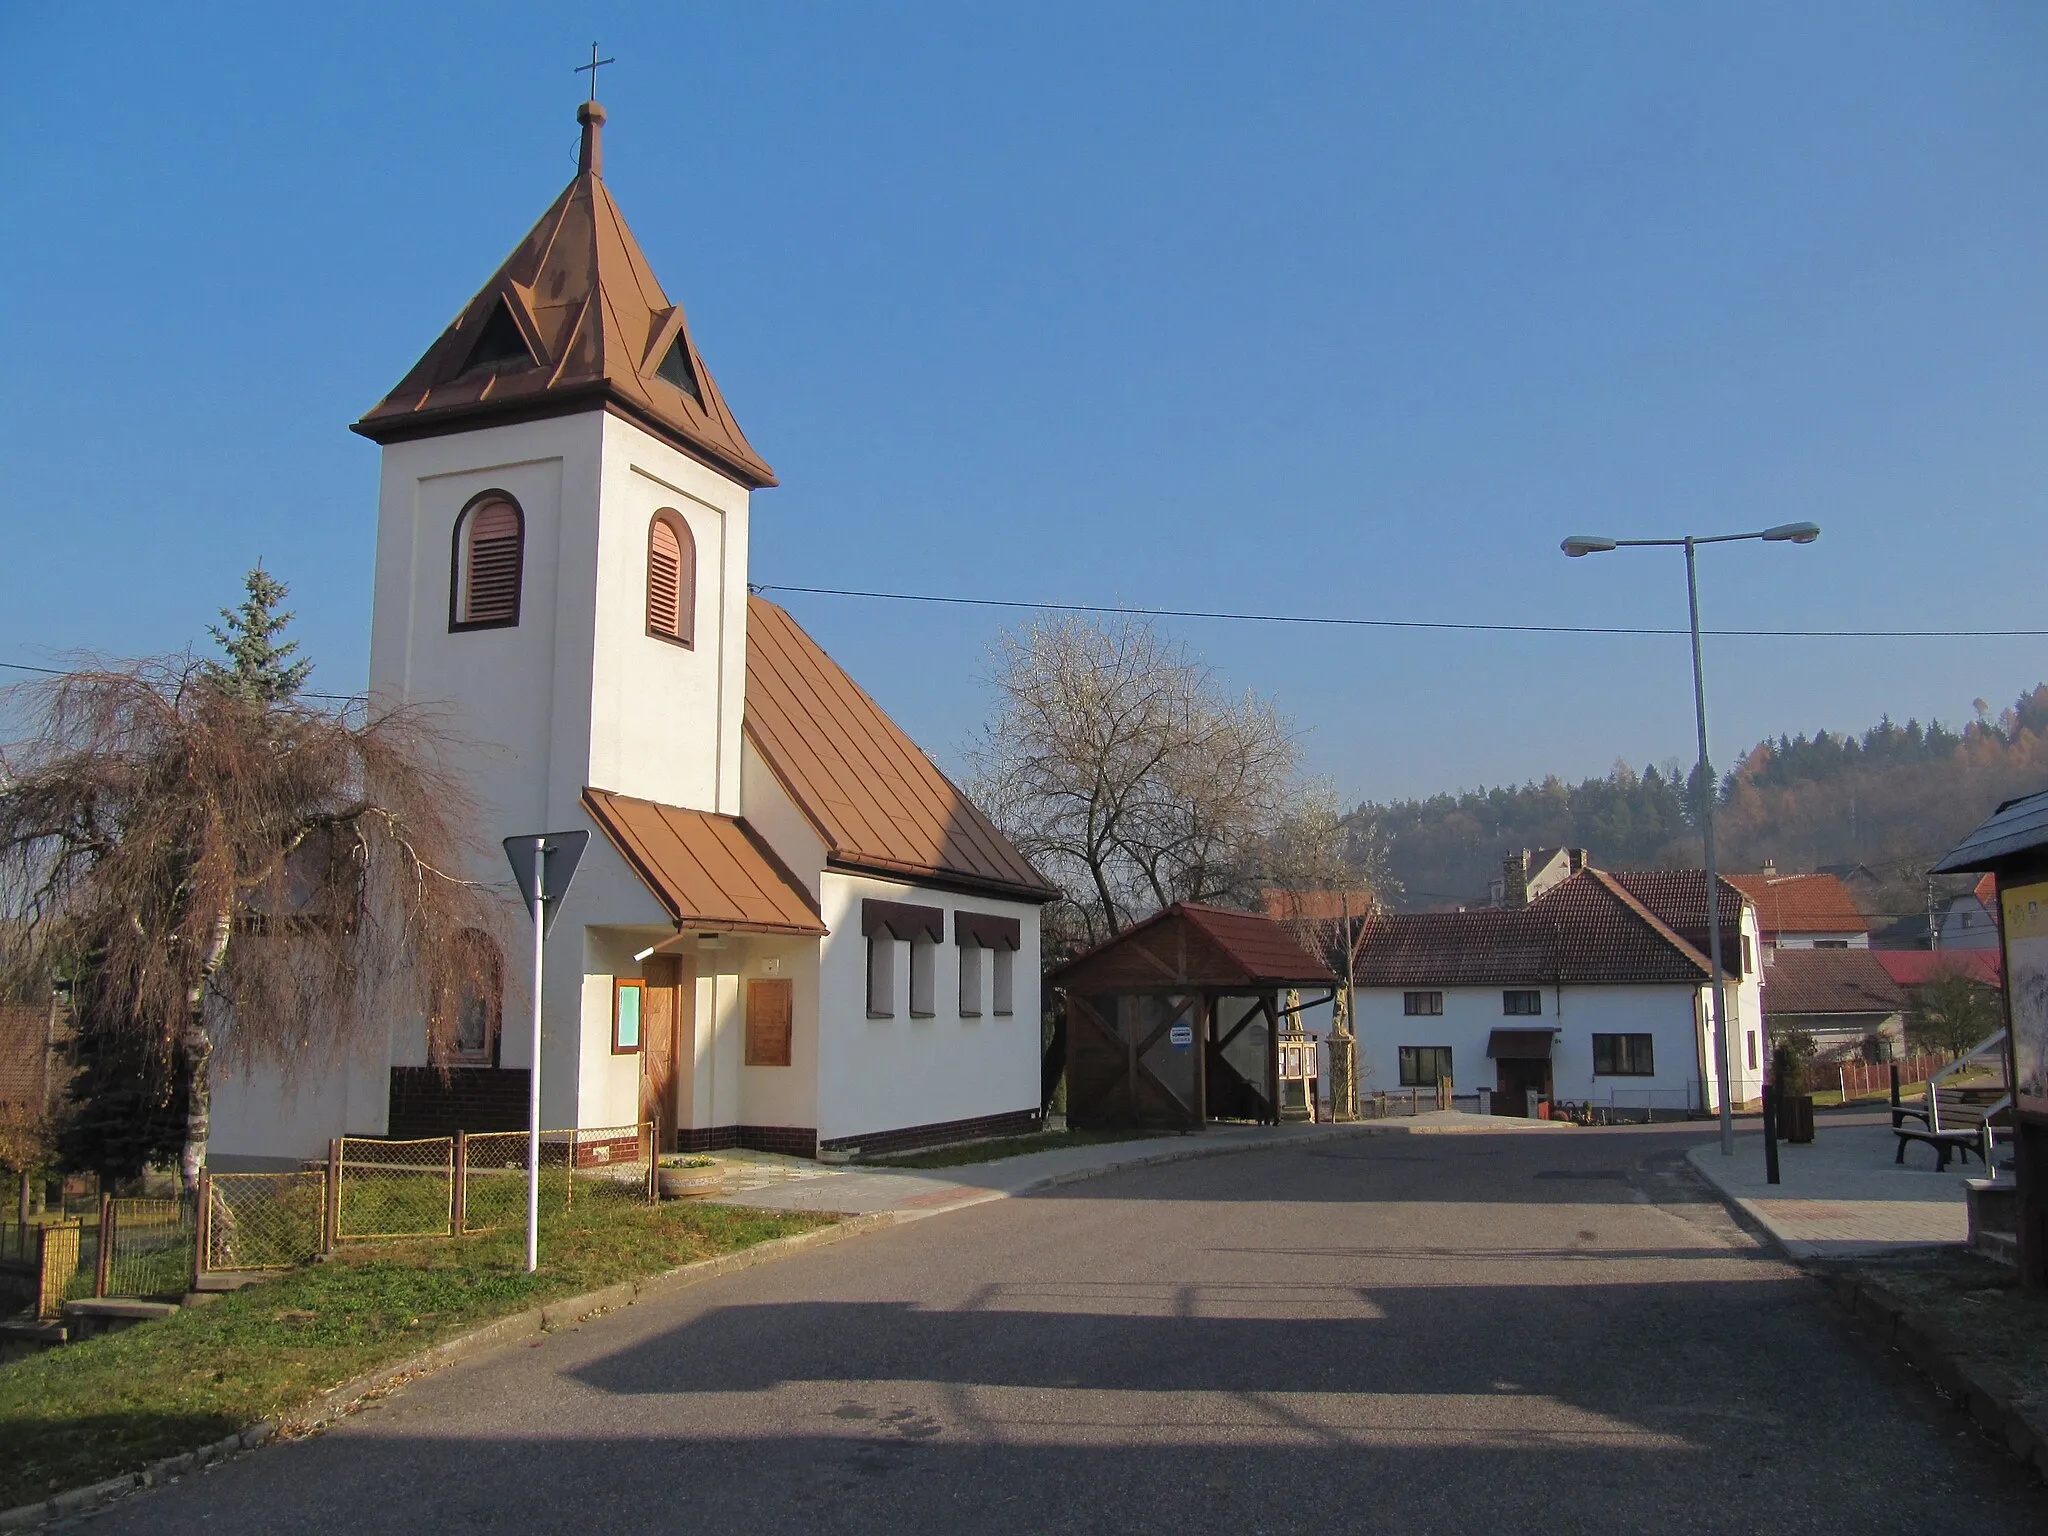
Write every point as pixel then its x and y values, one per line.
pixel 1579 859
pixel 1514 871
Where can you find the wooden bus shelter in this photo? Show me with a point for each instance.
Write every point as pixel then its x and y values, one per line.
pixel 1177 1020
pixel 2012 844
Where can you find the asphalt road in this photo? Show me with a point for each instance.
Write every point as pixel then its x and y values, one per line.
pixel 1535 1332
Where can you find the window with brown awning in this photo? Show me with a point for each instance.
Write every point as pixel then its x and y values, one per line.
pixel 1520 1044
pixel 902 920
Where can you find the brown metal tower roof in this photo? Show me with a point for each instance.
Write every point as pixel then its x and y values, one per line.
pixel 575 320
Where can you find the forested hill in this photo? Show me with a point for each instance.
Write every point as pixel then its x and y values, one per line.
pixel 1895 798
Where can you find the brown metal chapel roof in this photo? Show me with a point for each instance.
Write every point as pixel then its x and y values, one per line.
pixel 1587 929
pixel 710 871
pixel 880 804
pixel 575 320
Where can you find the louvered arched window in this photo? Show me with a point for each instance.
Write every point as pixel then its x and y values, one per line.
pixel 671 580
pixel 490 539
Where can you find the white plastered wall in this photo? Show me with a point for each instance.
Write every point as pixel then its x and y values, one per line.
pixel 1471 1014
pixel 885 1074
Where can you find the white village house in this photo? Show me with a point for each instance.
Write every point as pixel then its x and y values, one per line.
pixel 790 931
pixel 1593 988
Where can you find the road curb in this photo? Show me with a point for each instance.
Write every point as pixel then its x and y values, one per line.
pixel 1972 1384
pixel 337 1402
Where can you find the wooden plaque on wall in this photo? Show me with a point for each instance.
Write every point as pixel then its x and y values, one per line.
pixel 770 1014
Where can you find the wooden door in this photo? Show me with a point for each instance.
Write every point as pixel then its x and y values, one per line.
pixel 658 1049
pixel 771 1019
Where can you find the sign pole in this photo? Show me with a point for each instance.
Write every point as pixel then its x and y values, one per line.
pixel 544 864
pixel 540 929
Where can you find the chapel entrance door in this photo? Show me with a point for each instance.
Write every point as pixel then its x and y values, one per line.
pixel 659 1047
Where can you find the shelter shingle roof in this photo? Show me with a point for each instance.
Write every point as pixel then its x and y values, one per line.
pixel 1587 929
pixel 1248 949
pixel 596 329
pixel 880 804
pixel 1829 981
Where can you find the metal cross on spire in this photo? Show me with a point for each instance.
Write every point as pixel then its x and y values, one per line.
pixel 593 66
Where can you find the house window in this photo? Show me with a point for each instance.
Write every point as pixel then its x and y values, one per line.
pixel 1422 1004
pixel 1424 1066
pixel 1624 1056
pixel 629 1007
pixel 1001 993
pixel 1844 943
pixel 970 981
pixel 923 962
pixel 1522 1001
pixel 770 1015
pixel 1748 960
pixel 881 975
pixel 490 540
pixel 1752 1050
pixel 974 932
pixel 474 1002
pixel 671 580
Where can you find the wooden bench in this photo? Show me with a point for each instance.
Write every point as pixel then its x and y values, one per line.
pixel 1952 1120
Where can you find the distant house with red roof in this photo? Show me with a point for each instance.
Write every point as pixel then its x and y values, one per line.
pixel 1970 921
pixel 1804 911
pixel 1594 988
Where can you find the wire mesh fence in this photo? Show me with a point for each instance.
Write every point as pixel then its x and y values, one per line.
pixel 263 1220
pixel 493 1173
pixel 148 1246
pixel 395 1188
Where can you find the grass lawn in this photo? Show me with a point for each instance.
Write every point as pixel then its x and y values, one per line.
pixel 75 1415
pixel 1006 1146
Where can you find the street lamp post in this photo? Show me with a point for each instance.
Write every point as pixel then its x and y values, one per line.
pixel 1784 533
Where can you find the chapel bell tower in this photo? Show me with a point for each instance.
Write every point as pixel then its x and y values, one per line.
pixel 562 529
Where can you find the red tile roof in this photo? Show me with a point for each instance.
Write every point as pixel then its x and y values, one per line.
pixel 1917 967
pixel 1806 981
pixel 880 804
pixel 1589 929
pixel 1679 897
pixel 1801 904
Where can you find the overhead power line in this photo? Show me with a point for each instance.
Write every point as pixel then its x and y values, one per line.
pixel 1430 624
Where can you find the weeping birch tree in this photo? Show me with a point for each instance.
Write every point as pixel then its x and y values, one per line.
pixel 223 866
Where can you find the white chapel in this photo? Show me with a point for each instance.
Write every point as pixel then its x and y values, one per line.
pixel 790 931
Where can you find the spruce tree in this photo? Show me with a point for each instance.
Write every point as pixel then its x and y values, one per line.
pixel 260 670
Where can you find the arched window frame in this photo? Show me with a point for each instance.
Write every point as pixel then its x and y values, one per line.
pixel 685 632
pixel 477 983
pixel 459 564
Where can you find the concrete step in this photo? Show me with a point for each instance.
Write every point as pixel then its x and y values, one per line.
pixel 2002 1246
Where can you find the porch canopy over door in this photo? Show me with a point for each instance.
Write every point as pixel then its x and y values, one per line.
pixel 1176 1021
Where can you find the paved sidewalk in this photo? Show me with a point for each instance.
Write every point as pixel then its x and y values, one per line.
pixel 1842 1196
pixel 765 1181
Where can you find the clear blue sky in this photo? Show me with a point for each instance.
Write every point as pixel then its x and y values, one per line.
pixel 1350 309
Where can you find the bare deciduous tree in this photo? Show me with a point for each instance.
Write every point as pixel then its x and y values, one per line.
pixel 1117 765
pixel 232 871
